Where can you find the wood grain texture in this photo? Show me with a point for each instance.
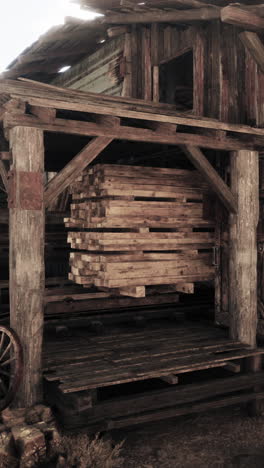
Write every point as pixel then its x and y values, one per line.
pixel 243 247
pixel 211 176
pixel 69 173
pixel 173 16
pixel 27 266
pixel 255 47
pixel 243 18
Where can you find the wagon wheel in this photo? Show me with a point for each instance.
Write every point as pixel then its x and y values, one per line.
pixel 11 365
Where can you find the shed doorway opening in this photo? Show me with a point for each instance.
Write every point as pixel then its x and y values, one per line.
pixel 176 81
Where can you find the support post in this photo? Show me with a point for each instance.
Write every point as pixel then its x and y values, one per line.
pixel 26 263
pixel 243 247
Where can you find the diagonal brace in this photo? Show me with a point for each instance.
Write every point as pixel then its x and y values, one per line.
pixel 217 184
pixel 75 167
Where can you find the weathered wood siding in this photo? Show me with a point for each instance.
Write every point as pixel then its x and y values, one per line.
pixel 101 72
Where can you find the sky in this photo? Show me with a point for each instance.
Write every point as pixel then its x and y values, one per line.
pixel 23 21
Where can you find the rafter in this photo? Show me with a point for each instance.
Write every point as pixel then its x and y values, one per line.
pixel 173 16
pixel 243 18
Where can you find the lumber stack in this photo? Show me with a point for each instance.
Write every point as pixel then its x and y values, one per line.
pixel 139 226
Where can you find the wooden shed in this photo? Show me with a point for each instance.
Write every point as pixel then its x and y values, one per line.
pixel 146 152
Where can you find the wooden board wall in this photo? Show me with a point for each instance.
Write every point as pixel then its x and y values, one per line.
pixel 101 72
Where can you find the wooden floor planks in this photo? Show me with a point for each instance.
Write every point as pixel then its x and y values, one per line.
pixel 84 361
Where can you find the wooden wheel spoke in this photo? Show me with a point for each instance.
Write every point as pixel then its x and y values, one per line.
pixel 11 365
pixel 2 340
pixel 5 351
pixel 2 364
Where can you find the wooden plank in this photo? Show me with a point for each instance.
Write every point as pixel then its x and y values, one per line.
pixel 181 394
pixel 146 65
pixel 74 127
pixel 187 288
pixel 26 263
pixel 243 247
pixel 156 92
pixel 173 16
pixel 243 18
pixel 60 98
pixel 136 291
pixel 180 411
pixel 211 176
pixel 68 174
pixel 4 175
pixel 255 47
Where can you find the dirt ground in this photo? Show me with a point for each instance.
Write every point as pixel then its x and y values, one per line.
pixel 225 438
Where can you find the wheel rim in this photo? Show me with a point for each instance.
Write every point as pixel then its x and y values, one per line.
pixel 11 365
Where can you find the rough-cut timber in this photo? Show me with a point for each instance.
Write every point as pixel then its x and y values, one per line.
pixel 145 223
pixel 243 247
pixel 255 47
pixel 27 257
pixel 173 16
pixel 242 18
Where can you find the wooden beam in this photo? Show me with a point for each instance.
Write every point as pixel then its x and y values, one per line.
pixel 44 114
pixel 59 98
pixel 255 47
pixel 117 31
pixel 49 55
pixel 74 127
pixel 133 291
pixel 176 16
pixel 243 247
pixel 211 176
pixel 3 175
pixel 26 263
pixel 69 173
pixel 243 18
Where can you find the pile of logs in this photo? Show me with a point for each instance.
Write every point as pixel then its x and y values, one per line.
pixel 139 226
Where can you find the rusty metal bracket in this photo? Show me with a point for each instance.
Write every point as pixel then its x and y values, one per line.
pixel 25 190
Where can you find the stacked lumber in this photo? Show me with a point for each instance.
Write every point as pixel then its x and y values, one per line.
pixel 139 226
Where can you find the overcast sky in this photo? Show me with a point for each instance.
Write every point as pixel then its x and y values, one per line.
pixel 23 21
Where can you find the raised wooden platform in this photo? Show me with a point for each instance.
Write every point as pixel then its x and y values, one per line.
pixel 83 371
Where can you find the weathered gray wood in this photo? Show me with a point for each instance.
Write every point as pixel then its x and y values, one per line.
pixel 243 247
pixel 68 174
pixel 211 176
pixel 3 174
pixel 124 132
pixel 49 96
pixel 173 16
pixel 243 18
pixel 26 262
pixel 255 47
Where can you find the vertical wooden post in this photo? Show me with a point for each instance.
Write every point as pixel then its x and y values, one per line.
pixel 243 247
pixel 26 263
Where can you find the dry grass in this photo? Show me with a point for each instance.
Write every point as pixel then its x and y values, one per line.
pixel 82 452
pixel 227 438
